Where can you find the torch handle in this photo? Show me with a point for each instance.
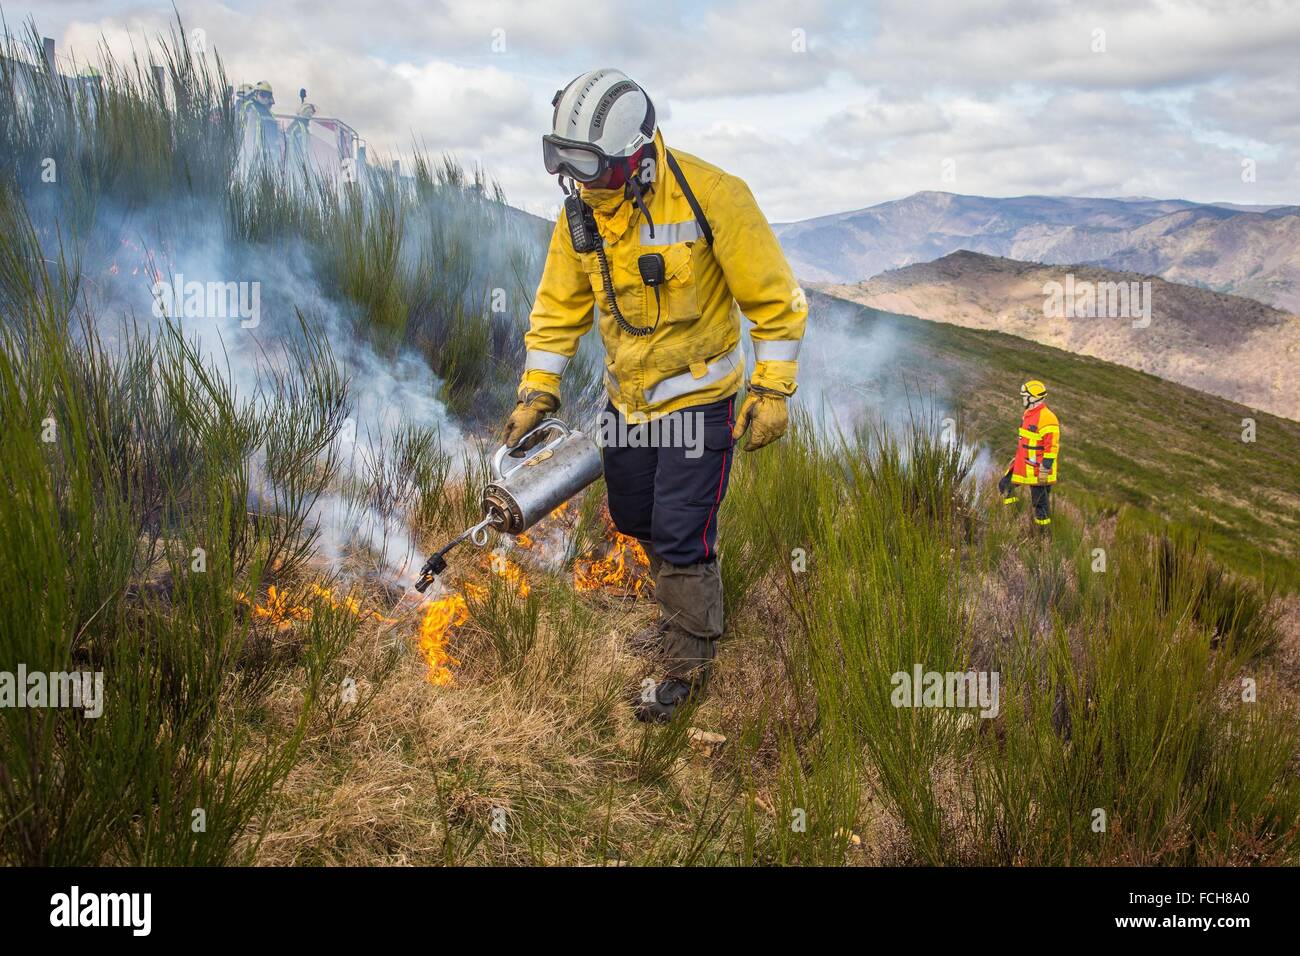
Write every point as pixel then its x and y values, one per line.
pixel 551 424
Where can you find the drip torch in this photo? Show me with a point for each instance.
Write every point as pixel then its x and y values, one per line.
pixel 526 486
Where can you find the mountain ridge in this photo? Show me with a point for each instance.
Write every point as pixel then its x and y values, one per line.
pixel 1229 346
pixel 1252 251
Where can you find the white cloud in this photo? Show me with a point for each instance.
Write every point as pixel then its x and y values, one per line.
pixel 1012 93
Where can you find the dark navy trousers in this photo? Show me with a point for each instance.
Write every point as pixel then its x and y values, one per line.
pixel 669 494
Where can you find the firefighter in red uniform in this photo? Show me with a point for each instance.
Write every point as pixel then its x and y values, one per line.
pixel 1035 461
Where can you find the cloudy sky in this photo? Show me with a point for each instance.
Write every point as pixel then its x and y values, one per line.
pixel 821 107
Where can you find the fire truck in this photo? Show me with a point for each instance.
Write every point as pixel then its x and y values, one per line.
pixel 325 146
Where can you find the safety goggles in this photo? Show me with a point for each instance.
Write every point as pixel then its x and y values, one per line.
pixel 573 158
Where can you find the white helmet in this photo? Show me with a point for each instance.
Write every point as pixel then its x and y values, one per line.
pixel 600 117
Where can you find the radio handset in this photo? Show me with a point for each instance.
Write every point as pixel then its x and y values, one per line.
pixel 582 224
pixel 586 238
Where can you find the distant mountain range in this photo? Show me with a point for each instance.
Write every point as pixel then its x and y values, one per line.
pixel 1229 346
pixel 1244 250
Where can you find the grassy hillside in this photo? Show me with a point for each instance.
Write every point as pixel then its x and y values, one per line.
pixel 1228 346
pixel 1122 738
pixel 1167 452
pixel 266 698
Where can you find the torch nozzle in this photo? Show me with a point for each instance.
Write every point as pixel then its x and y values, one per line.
pixel 432 568
pixel 438 563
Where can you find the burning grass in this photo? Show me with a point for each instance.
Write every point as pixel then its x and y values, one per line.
pixel 440 617
pixel 624 569
pixel 445 614
pixel 282 611
pixel 617 573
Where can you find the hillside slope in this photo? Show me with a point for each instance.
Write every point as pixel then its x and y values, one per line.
pixel 1251 255
pixel 1128 437
pixel 1226 345
pixel 1251 251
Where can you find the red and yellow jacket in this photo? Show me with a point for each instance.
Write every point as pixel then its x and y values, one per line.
pixel 1040 443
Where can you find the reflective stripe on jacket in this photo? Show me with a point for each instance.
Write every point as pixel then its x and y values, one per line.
pixel 695 355
pixel 1040 443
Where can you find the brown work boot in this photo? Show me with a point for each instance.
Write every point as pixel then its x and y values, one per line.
pixel 662 702
pixel 688 659
pixel 691 597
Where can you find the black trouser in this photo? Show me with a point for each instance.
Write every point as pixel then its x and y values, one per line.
pixel 669 493
pixel 1041 495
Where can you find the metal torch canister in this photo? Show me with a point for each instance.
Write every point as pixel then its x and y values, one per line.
pixel 526 489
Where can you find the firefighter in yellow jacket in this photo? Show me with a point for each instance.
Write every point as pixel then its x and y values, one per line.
pixel 261 133
pixel 669 251
pixel 1036 453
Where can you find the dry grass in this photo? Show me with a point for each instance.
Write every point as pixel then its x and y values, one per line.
pixel 417 776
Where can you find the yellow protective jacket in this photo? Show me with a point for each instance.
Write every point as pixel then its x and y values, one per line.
pixel 261 131
pixel 694 356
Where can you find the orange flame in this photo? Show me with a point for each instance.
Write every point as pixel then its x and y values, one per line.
pixel 348 603
pixel 440 618
pixel 503 567
pixel 453 611
pixel 623 568
pixel 277 610
pixel 282 612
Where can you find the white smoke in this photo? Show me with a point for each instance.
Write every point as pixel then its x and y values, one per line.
pixel 845 367
pixel 851 375
pixel 386 395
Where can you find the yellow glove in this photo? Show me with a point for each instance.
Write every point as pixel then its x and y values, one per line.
pixel 766 411
pixel 533 407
